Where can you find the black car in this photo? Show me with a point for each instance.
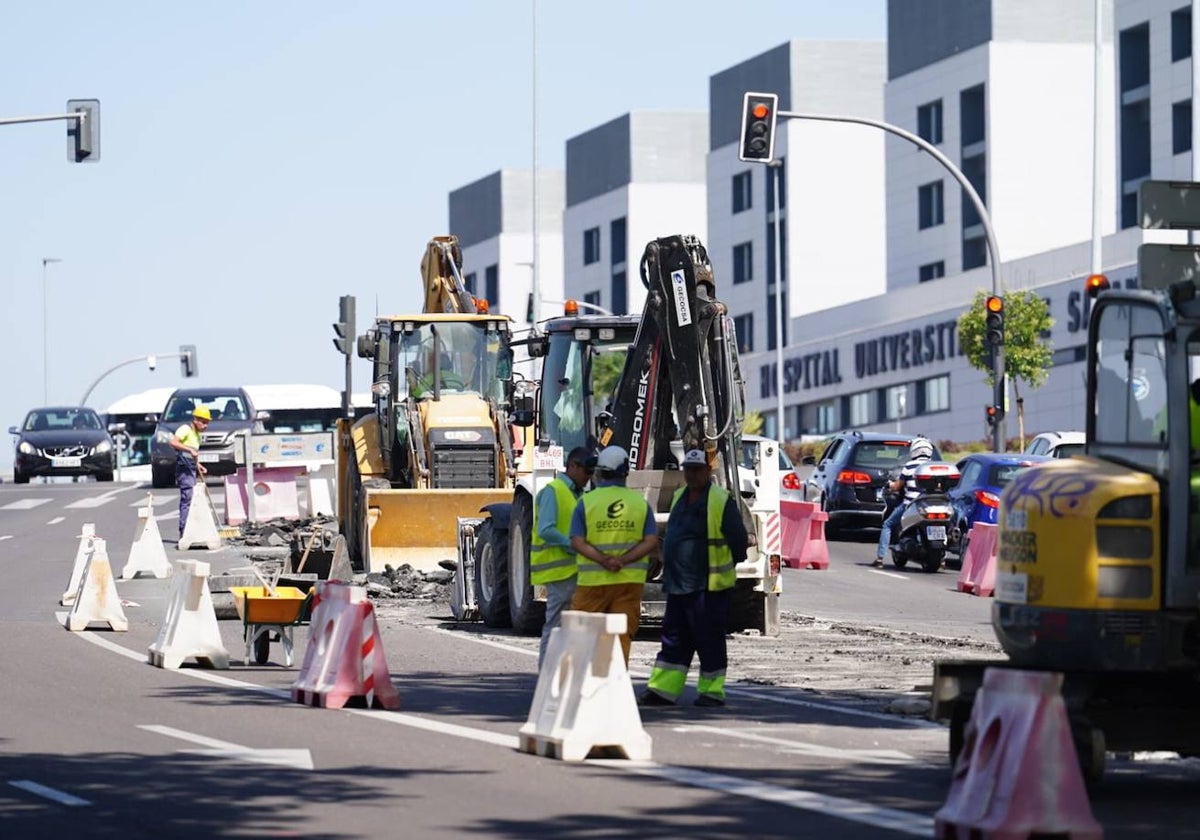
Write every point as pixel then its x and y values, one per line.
pixel 848 481
pixel 62 440
pixel 232 413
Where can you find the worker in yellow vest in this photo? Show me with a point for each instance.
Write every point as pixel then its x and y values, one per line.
pixel 705 540
pixel 613 533
pixel 551 558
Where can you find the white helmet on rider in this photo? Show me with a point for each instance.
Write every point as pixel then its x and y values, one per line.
pixel 920 449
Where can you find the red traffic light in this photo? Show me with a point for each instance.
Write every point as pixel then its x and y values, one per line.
pixel 760 111
pixel 994 304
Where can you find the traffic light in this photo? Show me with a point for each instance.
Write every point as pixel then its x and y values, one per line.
pixel 995 414
pixel 83 134
pixel 344 326
pixel 187 360
pixel 758 127
pixel 994 307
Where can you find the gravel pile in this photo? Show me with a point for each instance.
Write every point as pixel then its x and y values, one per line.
pixel 406 582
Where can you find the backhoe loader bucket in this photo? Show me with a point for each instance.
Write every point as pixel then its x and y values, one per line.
pixel 420 527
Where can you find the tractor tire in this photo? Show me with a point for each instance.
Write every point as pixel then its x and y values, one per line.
pixel 527 614
pixel 491 575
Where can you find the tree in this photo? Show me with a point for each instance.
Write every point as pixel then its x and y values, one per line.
pixel 752 424
pixel 1027 349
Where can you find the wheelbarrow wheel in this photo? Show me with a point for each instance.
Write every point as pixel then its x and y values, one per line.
pixel 262 647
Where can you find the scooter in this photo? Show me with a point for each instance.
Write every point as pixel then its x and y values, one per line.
pixel 921 536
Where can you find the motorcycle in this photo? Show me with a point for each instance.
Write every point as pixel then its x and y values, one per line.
pixel 922 535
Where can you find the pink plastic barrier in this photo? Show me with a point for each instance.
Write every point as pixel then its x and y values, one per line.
pixel 804 545
pixel 977 576
pixel 274 495
pixel 1018 774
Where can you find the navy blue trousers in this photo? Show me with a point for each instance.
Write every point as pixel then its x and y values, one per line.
pixel 696 623
pixel 186 479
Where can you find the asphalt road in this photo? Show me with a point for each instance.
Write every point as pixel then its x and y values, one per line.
pixel 96 743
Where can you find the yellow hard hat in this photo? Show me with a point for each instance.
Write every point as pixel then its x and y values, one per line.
pixel 202 413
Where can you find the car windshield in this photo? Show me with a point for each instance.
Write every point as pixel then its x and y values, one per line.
pixel 220 406
pixel 1066 450
pixel 47 419
pixel 882 455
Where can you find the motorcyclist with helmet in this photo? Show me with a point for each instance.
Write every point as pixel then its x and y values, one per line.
pixel 919 451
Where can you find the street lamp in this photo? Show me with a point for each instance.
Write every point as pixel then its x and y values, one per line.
pixel 45 332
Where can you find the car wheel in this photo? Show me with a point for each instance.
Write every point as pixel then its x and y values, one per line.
pixel 832 530
pixel 20 478
pixel 104 476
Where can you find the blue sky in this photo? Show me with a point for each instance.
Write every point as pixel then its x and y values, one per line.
pixel 261 159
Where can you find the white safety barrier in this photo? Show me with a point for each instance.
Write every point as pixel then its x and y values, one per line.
pixel 320 495
pixel 190 626
pixel 96 599
pixel 201 528
pixel 147 553
pixel 81 557
pixel 584 699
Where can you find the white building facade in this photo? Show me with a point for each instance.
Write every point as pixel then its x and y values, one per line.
pixel 633 179
pixel 493 220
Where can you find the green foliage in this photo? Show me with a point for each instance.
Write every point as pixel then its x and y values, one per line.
pixel 606 370
pixel 1026 353
pixel 752 424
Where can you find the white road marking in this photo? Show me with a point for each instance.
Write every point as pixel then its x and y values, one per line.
pixel 887 574
pixel 49 793
pixel 297 759
pixel 806 748
pixel 849 810
pixel 89 502
pixel 6 537
pixel 25 504
pixel 56 520
pixel 156 501
pixel 163 516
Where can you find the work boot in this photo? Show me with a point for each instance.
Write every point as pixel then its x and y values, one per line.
pixel 709 700
pixel 650 698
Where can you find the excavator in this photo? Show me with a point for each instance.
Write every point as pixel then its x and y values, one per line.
pixel 439 442
pixel 656 385
pixel 1098 565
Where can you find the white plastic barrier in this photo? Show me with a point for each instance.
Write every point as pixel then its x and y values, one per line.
pixel 97 598
pixel 81 557
pixel 190 626
pixel 584 699
pixel 147 553
pixel 201 528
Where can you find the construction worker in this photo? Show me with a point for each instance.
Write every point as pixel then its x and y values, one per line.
pixel 551 559
pixel 613 532
pixel 186 443
pixel 705 539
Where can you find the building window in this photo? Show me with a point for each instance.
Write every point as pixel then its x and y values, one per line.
pixel 930 209
pixel 620 303
pixel 860 409
pixel 1181 34
pixel 929 122
pixel 616 241
pixel 592 297
pixel 1181 126
pixel 1135 153
pixel 776 172
pixel 974 252
pixel 931 271
pixel 1129 209
pixel 743 193
pixel 827 417
pixel 491 285
pixel 975 168
pixel 469 282
pixel 895 402
pixel 591 246
pixel 743 326
pixel 743 262
pixel 935 394
pixel 1134 58
pixel 770 315
pixel 972 115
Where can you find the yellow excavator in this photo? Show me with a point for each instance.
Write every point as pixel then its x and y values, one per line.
pixel 1098 567
pixel 438 444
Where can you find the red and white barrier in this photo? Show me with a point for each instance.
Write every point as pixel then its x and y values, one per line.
pixel 1018 774
pixel 977 574
pixel 275 494
pixel 344 657
pixel 804 545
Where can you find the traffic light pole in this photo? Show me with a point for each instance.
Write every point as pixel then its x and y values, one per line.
pixel 150 358
pixel 980 208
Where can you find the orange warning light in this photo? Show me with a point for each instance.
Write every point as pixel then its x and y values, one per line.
pixel 571 308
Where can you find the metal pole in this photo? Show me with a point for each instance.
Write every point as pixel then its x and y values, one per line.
pixel 533 95
pixel 776 171
pixel 119 365
pixel 247 448
pixel 984 218
pixel 45 331
pixel 1097 104
pixel 74 115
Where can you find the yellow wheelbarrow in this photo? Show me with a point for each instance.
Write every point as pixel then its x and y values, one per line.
pixel 270 610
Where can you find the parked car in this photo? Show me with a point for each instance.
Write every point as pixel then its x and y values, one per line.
pixel 977 496
pixel 1057 444
pixel 848 481
pixel 62 440
pixel 790 489
pixel 232 413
